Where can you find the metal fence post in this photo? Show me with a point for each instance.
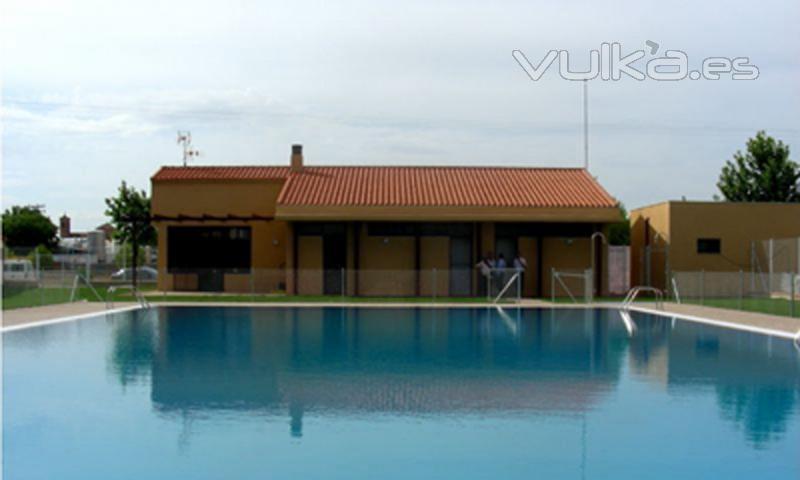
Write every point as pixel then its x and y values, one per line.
pixel 771 265
pixel 792 292
pixel 343 282
pixel 741 287
pixel 252 285
pixel 702 287
pixel 435 285
pixel 588 280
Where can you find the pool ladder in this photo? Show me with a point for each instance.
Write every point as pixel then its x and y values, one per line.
pixel 140 298
pixel 625 306
pixel 635 291
pixel 797 341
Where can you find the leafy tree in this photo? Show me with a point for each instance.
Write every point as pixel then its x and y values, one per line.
pixel 130 215
pixel 620 233
pixel 28 226
pixel 764 173
pixel 124 256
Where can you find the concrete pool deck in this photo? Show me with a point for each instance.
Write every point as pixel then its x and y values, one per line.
pixel 752 320
pixel 47 313
pixel 733 318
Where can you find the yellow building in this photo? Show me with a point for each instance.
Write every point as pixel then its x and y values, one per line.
pixel 710 236
pixel 396 231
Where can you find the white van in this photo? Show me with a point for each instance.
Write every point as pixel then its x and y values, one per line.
pixel 18 270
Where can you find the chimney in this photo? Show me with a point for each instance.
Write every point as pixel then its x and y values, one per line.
pixel 297 158
pixel 64 226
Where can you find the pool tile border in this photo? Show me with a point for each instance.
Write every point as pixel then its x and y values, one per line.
pixel 663 313
pixel 716 323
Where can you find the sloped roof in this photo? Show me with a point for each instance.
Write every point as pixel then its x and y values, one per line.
pixel 222 173
pixel 415 186
pixel 444 187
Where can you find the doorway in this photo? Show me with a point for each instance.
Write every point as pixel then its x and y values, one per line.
pixel 334 260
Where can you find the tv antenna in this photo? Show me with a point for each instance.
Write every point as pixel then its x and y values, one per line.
pixel 185 139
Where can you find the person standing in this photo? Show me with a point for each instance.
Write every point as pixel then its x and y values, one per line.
pixel 486 267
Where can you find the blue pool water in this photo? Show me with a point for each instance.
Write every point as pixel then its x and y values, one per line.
pixel 270 393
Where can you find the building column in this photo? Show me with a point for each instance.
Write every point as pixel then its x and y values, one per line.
pixel 291 257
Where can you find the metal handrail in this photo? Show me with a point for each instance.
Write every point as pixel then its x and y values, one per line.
pixel 630 325
pixel 797 341
pixel 508 285
pixel 140 298
pixel 677 294
pixel 635 291
pixel 81 278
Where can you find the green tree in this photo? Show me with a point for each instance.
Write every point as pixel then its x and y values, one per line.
pixel 124 256
pixel 45 257
pixel 620 233
pixel 28 226
pixel 763 173
pixel 130 214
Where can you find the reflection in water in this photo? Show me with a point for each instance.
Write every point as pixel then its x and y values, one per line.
pixel 291 362
pixel 132 350
pixel 756 378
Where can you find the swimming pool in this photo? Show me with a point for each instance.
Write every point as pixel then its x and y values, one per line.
pixel 222 393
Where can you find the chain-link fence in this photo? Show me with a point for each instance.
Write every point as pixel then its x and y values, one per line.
pixel 36 277
pixel 25 285
pixel 771 285
pixel 576 285
pixel 502 285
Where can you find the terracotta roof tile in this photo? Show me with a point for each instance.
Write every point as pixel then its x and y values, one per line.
pixel 444 186
pixel 222 173
pixel 416 186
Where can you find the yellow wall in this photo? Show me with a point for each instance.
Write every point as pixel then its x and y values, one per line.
pixel 309 265
pixel 737 225
pixel 486 239
pixel 434 254
pixel 680 224
pixel 215 198
pixel 652 225
pixel 565 253
pixel 386 268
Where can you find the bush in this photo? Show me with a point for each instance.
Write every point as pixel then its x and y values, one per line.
pixel 45 257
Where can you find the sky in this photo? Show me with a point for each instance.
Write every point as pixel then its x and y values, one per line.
pixel 93 92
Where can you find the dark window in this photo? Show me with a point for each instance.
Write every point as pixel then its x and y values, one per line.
pixel 200 248
pixel 709 245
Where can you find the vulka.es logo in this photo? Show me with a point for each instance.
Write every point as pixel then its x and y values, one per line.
pixel 608 63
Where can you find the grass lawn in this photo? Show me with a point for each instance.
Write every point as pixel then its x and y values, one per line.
pixel 771 306
pixel 22 297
